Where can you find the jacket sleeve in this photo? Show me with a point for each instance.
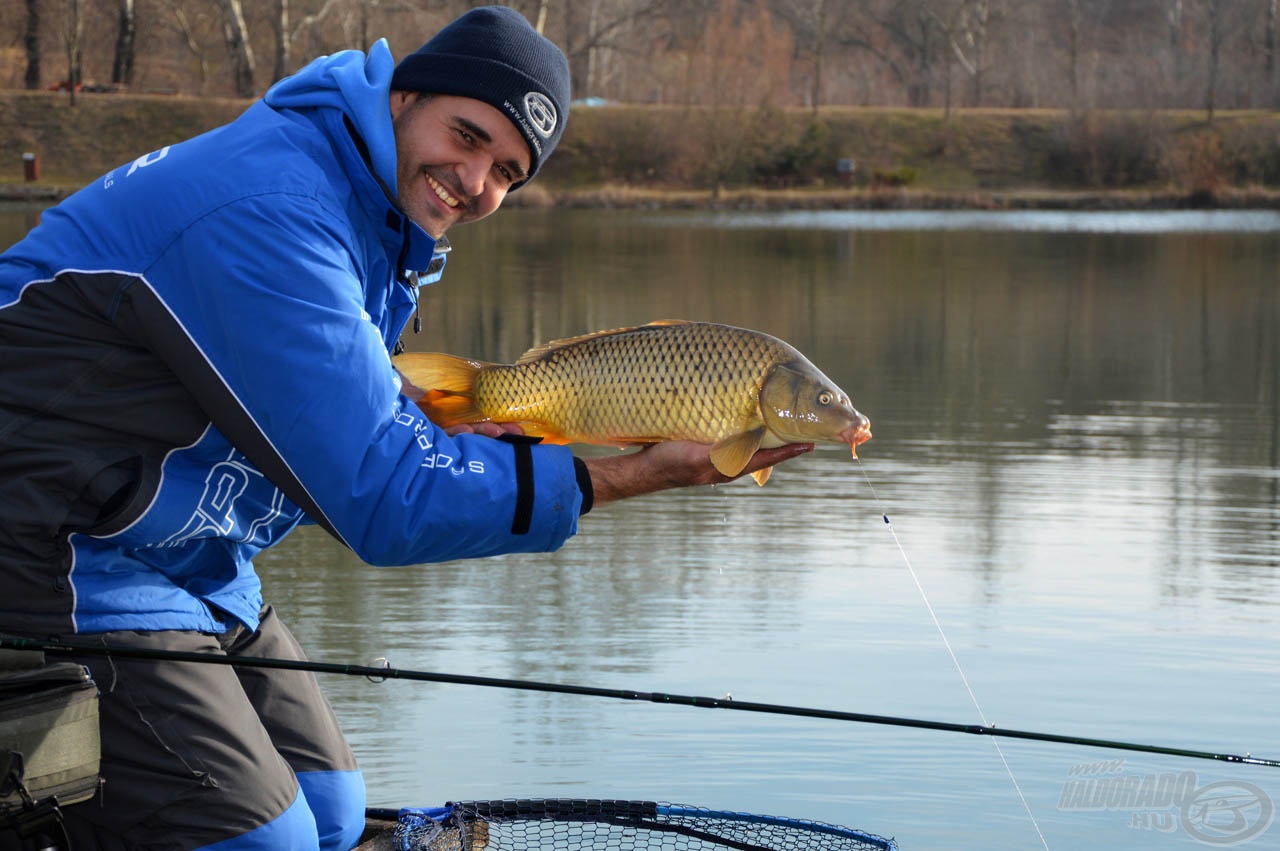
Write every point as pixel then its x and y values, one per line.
pixel 259 310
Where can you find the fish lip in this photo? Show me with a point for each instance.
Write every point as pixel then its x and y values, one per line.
pixel 858 433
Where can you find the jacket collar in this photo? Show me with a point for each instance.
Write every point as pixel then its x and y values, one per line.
pixel 414 249
pixel 349 91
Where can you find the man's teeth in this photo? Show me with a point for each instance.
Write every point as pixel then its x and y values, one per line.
pixel 441 192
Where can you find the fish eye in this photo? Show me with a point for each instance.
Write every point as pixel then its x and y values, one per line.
pixel 825 398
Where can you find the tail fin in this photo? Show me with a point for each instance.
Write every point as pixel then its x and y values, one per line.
pixel 446 381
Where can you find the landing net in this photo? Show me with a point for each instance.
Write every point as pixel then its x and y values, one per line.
pixel 559 824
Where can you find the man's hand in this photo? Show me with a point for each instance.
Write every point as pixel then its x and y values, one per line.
pixel 487 429
pixel 671 464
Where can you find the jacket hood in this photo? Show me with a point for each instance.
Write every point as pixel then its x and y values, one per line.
pixel 359 85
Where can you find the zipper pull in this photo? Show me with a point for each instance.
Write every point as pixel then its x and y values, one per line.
pixel 417 308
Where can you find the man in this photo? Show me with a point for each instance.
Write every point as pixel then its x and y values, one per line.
pixel 194 359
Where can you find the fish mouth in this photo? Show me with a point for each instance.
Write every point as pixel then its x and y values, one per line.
pixel 856 434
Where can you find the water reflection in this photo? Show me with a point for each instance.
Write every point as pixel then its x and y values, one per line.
pixel 1078 444
pixel 1163 222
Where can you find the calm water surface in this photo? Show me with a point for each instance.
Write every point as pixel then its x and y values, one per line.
pixel 1077 441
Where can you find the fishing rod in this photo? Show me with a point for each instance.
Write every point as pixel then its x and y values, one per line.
pixel 380 673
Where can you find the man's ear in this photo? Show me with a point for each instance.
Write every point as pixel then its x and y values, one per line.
pixel 399 100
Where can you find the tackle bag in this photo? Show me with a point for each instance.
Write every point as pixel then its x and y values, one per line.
pixel 49 739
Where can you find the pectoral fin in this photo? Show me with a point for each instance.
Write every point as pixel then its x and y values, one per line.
pixel 762 476
pixel 730 455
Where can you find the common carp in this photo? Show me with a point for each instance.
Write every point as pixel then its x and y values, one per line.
pixel 736 389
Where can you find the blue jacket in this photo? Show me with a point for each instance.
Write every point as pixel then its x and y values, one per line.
pixel 194 357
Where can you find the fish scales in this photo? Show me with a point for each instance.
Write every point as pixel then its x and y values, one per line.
pixel 661 381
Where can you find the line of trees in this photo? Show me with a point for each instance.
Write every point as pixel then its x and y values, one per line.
pixel 1076 54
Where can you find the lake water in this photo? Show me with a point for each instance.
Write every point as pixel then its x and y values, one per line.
pixel 1077 442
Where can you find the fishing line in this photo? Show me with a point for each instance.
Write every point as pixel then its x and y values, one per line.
pixel 951 652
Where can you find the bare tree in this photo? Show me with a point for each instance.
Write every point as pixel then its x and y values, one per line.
pixel 809 26
pixel 1215 48
pixel 311 22
pixel 192 30
pixel 600 34
pixel 819 19
pixel 1174 17
pixel 351 18
pixel 31 42
pixel 977 38
pixel 126 36
pixel 73 39
pixel 238 47
pixel 365 9
pixel 964 25
pixel 1083 20
pixel 284 41
pixel 1271 83
pixel 908 43
pixel 1225 55
pixel 1081 54
pixel 1075 26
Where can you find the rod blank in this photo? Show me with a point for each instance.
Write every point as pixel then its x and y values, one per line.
pixel 389 673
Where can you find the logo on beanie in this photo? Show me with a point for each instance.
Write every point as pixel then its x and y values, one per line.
pixel 541 112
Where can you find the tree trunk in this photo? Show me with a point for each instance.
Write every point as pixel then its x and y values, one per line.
pixel 1073 50
pixel 1215 48
pixel 819 53
pixel 238 47
pixel 283 42
pixel 982 19
pixel 1269 60
pixel 74 42
pixel 193 44
pixel 31 41
pixel 946 82
pixel 122 68
pixel 592 18
pixel 1173 18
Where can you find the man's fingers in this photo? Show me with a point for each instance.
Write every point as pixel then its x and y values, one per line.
pixel 486 429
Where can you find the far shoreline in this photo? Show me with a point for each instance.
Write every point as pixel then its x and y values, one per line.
pixel 640 198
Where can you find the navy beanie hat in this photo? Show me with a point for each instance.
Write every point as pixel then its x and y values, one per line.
pixel 493 54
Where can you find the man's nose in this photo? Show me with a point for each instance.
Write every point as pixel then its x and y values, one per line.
pixel 472 174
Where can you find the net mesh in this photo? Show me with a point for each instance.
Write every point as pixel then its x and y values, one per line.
pixel 560 824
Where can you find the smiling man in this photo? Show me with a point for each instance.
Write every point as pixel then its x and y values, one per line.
pixel 476 111
pixel 194 359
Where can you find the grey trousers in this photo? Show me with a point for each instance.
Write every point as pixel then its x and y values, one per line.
pixel 194 753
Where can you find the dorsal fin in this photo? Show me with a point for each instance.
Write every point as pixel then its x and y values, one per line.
pixel 538 351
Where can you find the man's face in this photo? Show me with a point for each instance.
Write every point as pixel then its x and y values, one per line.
pixel 456 158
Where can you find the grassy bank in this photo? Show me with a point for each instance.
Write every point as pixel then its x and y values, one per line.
pixel 840 157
